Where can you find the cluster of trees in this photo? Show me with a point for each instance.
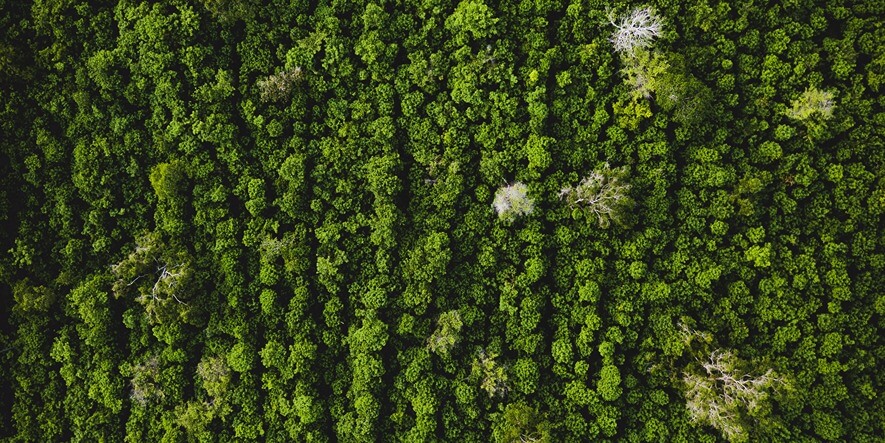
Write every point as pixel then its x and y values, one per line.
pixel 232 220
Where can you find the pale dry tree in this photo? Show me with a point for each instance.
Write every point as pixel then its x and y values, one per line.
pixel 272 248
pixel 512 201
pixel 603 193
pixel 634 30
pixel 277 87
pixel 812 101
pixel 689 335
pixel 722 395
pixel 215 375
pixel 145 386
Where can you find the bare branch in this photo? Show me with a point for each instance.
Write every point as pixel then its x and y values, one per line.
pixel 635 30
pixel 512 201
pixel 601 193
pixel 723 392
pixel 278 86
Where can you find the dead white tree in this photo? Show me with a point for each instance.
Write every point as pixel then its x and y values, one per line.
pixel 722 395
pixel 512 201
pixel 167 281
pixel 277 87
pixel 602 192
pixel 635 30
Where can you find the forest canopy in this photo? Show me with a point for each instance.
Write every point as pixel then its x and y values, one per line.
pixel 447 220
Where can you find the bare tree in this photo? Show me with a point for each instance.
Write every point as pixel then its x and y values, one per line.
pixel 603 193
pixel 723 395
pixel 157 274
pixel 635 30
pixel 277 87
pixel 512 201
pixel 167 281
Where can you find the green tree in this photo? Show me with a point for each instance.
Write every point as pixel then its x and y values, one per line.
pixel 491 375
pixel 229 11
pixel 169 180
pixel 520 423
pixel 30 298
pixel 813 102
pixel 445 336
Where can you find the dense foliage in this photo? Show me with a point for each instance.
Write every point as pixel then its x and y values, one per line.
pixel 553 220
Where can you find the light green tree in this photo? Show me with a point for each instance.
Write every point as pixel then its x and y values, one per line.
pixel 812 102
pixel 445 336
pixel 609 384
pixel 491 375
pixel 472 19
